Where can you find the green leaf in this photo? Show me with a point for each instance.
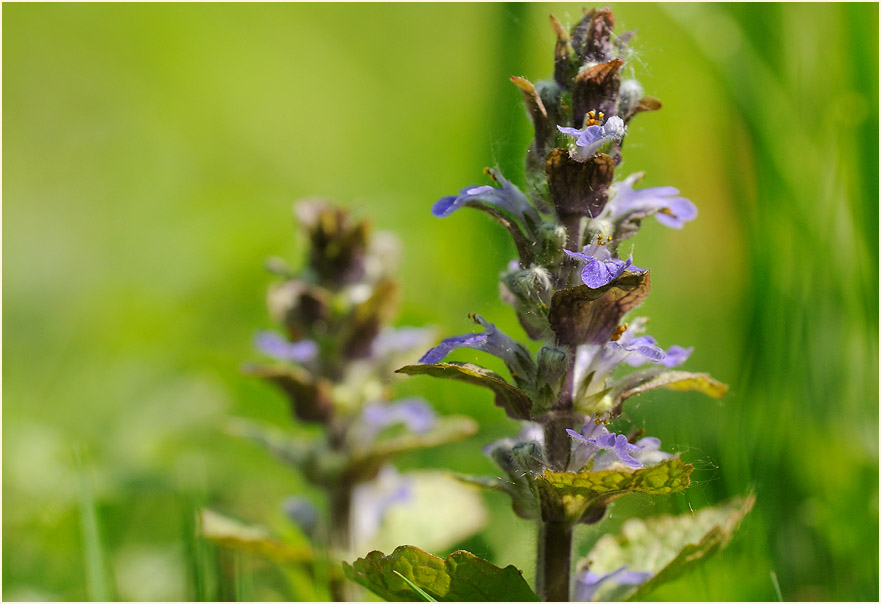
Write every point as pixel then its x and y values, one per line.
pixel 364 465
pixel 514 401
pixel 323 465
pixel 666 546
pixel 252 539
pixel 446 429
pixel 569 496
pixel 581 315
pixel 284 446
pixel 523 499
pixel 649 379
pixel 461 577
pixel 491 483
pixel 424 523
pixel 422 593
pixel 320 463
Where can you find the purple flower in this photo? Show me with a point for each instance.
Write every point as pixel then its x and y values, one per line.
pixel 676 355
pixel 372 500
pixel 273 345
pixel 587 583
pixel 604 447
pixel 670 209
pixel 301 512
pixel 597 362
pixel 491 340
pixel 649 453
pixel 507 198
pixel 673 356
pixel 397 341
pixel 600 268
pixel 591 140
pixel 414 413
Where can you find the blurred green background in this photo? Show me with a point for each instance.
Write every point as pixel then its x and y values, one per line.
pixel 151 156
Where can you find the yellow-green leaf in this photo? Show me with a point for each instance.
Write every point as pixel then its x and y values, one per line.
pixel 569 495
pixel 649 379
pixel 236 535
pixel 514 401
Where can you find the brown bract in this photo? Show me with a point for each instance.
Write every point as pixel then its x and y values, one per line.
pixel 596 89
pixel 310 398
pixel 581 315
pixel 579 188
pixel 338 243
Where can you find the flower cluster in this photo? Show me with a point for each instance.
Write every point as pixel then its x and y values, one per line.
pixel 333 357
pixel 571 287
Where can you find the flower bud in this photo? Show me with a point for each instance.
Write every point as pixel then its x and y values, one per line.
pixel 521 458
pixel 629 95
pixel 530 456
pixel 552 363
pixel 552 240
pixel 529 291
pixel 528 285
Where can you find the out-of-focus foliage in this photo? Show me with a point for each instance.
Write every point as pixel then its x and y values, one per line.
pixel 151 156
pixel 666 546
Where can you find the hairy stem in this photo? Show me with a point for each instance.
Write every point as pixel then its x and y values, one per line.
pixel 554 561
pixel 554 556
pixel 558 444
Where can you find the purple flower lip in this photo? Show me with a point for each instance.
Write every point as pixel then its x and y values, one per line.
pixel 600 268
pixel 588 583
pixel 507 197
pixel 596 363
pixel 591 139
pixel 491 340
pixel 669 208
pixel 594 439
pixel 274 345
pixel 414 413
pixel 676 355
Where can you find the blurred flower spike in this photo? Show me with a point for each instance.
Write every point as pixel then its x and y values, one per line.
pixel 334 355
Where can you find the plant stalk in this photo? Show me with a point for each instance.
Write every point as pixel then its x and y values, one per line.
pixel 341 540
pixel 554 556
pixel 554 561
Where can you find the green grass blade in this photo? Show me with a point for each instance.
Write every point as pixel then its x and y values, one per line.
pixel 97 580
pixel 422 593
